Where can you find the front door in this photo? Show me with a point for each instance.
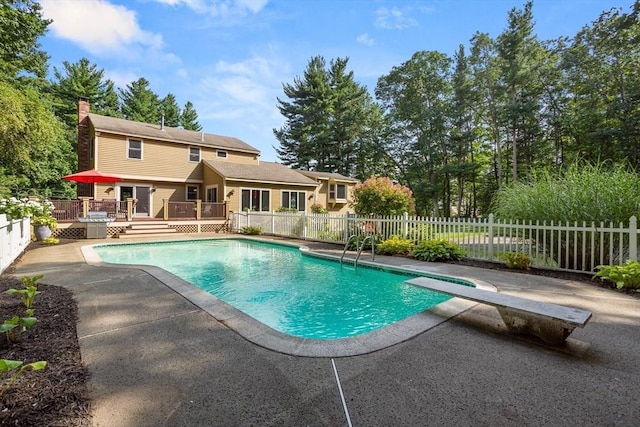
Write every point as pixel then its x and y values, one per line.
pixel 142 196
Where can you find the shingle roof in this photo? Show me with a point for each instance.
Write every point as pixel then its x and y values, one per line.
pixel 154 131
pixel 327 175
pixel 266 172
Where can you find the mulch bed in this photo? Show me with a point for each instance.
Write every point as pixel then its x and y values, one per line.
pixel 58 395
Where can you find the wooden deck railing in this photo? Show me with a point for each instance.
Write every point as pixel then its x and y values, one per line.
pixel 71 210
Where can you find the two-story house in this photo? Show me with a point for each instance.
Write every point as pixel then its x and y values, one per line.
pixel 157 163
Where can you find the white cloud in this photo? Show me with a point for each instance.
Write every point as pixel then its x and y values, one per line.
pixel 219 7
pixel 365 39
pixel 99 26
pixel 393 19
pixel 121 78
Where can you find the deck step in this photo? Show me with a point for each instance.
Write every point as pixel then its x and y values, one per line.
pixel 147 225
pixel 143 230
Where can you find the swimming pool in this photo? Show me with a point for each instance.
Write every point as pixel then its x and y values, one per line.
pixel 298 295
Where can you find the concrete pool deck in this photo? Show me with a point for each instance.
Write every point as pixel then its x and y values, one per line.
pixel 157 359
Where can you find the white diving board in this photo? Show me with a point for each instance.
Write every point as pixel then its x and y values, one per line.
pixel 552 323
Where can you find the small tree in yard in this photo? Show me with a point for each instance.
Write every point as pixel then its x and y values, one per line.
pixel 380 197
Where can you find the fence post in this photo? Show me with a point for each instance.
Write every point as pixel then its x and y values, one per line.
pixel 199 209
pixel 273 222
pixel 304 227
pixel 405 225
pixel 633 238
pixel 490 236
pixel 346 227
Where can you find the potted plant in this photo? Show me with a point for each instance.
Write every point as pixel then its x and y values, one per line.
pixel 43 222
pixel 43 226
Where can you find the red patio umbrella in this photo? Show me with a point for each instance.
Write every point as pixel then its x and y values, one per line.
pixel 91 176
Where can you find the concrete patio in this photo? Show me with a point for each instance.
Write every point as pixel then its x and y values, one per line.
pixel 157 359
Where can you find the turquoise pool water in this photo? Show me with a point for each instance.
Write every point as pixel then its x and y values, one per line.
pixel 298 295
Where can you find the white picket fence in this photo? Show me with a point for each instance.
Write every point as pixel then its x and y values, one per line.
pixel 15 236
pixel 556 245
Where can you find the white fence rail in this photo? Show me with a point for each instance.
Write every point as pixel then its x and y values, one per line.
pixel 15 236
pixel 555 245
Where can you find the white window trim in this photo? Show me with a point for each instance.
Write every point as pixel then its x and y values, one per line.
pixel 141 148
pixel 186 192
pixel 189 154
pixel 226 154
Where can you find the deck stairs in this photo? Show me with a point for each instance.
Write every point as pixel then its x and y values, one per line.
pixel 146 229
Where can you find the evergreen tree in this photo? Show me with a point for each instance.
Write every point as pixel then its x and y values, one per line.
pixel 326 120
pixel 189 118
pixel 171 111
pixel 519 54
pixel 21 24
pixel 139 103
pixel 86 80
pixel 463 132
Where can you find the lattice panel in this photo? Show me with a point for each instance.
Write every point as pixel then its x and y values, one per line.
pixel 186 228
pixel 69 233
pixel 114 231
pixel 213 228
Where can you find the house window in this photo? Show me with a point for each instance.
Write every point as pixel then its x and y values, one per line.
pixel 192 192
pixel 134 149
pixel 255 200
pixel 221 154
pixel 194 154
pixel 337 191
pixel 294 200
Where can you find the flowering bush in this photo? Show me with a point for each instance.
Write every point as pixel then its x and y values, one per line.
pixel 381 197
pixel 39 210
pixel 15 208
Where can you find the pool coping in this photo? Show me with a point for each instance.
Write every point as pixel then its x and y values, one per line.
pixel 264 336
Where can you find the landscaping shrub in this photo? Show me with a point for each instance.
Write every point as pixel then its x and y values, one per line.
pixel 317 208
pixel 518 260
pixel 381 197
pixel 251 230
pixel 626 275
pixel 437 250
pixel 395 246
pixel 354 244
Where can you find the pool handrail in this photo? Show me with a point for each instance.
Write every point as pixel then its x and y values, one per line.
pixel 373 250
pixel 353 236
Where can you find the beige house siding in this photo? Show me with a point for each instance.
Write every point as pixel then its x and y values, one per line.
pixel 233 157
pixel 321 196
pixel 159 159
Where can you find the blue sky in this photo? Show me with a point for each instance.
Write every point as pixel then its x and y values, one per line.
pixel 230 57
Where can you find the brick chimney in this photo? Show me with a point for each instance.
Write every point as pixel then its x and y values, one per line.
pixel 84 139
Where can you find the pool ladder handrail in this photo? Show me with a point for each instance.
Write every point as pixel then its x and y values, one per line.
pixel 364 241
pixel 353 236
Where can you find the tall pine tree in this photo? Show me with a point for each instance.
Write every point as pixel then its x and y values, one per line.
pixel 189 118
pixel 139 103
pixel 326 119
pixel 82 79
pixel 170 110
